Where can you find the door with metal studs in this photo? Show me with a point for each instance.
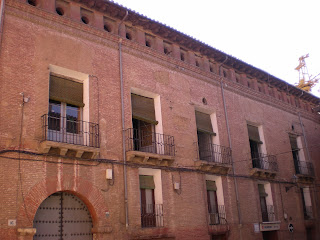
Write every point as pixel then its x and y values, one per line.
pixel 62 216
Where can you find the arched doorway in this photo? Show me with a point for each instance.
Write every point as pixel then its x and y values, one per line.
pixel 62 216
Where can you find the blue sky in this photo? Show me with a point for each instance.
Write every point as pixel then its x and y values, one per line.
pixel 270 35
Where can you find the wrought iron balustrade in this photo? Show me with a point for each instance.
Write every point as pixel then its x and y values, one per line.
pixel 67 130
pixel 263 161
pixel 304 168
pixel 151 215
pixel 213 153
pixel 268 215
pixel 308 213
pixel 151 142
pixel 217 216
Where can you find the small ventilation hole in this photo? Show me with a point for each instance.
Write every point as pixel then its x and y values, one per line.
pixel 32 2
pixel 128 36
pixel 182 57
pixel 204 101
pixel 84 19
pixel 107 28
pixel 60 11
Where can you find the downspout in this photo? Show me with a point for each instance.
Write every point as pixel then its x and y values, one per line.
pixel 230 145
pixel 123 126
pixel 1 21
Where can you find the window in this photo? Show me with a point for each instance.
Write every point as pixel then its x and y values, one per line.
pixel 215 200
pixel 306 203
pixel 255 146
pixel 151 197
pixel 300 165
pixel 205 137
pixel 148 217
pixel 143 122
pixel 295 152
pixel 266 203
pixel 65 111
pixel 212 202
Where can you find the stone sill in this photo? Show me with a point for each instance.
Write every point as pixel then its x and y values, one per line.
pixel 263 173
pixel 69 150
pixel 305 178
pixel 212 167
pixel 149 158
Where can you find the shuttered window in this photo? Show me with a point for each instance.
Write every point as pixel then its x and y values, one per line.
pixel 203 122
pixel 262 191
pixel 211 185
pixel 254 134
pixel 65 90
pixel 146 182
pixel 293 143
pixel 143 108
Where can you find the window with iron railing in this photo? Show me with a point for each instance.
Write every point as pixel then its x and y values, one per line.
pixel 63 124
pixel 148 141
pixel 217 216
pixel 213 153
pixel 301 167
pixel 263 161
pixel 268 213
pixel 151 215
pixel 308 213
pixel 306 203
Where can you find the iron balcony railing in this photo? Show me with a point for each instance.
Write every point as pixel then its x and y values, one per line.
pixel 305 168
pixel 213 153
pixel 217 216
pixel 268 214
pixel 67 130
pixel 151 142
pixel 263 161
pixel 308 214
pixel 151 215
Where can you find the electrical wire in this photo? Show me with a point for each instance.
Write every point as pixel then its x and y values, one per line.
pixel 133 165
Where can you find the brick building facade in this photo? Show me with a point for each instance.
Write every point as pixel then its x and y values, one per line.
pixel 114 126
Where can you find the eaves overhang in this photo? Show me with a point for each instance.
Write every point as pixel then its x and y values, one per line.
pixel 138 20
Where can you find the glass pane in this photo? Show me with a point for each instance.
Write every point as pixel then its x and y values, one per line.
pixel 149 200
pixel 72 118
pixel 54 115
pixel 213 208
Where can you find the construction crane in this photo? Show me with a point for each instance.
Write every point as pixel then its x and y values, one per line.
pixel 306 81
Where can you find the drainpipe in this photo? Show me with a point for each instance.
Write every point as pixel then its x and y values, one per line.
pixel 1 21
pixel 230 145
pixel 123 126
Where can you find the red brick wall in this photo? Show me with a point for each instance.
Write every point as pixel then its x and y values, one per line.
pixel 33 39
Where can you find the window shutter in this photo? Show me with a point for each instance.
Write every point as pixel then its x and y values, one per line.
pixel 293 143
pixel 211 185
pixel 146 182
pixel 203 122
pixel 67 91
pixel 262 191
pixel 254 134
pixel 143 109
